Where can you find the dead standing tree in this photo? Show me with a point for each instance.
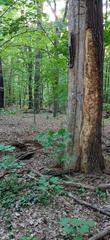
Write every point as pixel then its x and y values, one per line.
pixel 85 84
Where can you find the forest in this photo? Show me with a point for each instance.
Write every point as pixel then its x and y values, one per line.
pixel 54 119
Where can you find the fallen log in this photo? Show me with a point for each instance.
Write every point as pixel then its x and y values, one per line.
pixel 101 234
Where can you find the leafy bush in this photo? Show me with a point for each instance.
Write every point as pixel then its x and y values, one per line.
pixel 56 139
pixel 75 228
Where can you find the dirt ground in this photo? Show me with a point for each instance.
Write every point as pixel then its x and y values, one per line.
pixel 41 221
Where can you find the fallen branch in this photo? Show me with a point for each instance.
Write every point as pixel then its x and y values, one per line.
pixel 3 173
pixel 25 156
pixel 103 186
pixel 58 172
pixel 94 207
pixel 101 234
pixel 77 185
pixel 88 187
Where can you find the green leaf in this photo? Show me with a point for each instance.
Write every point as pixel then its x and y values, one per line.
pixel 69 230
pixel 84 229
pixel 78 238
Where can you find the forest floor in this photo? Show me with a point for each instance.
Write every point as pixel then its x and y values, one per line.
pixel 27 212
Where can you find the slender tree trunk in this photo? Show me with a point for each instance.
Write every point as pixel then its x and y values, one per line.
pixel 9 97
pixel 30 67
pixel 1 86
pixel 55 78
pixel 85 84
pixel 37 82
pixel 37 77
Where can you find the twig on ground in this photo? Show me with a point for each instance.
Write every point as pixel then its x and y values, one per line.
pixel 94 207
pixel 101 234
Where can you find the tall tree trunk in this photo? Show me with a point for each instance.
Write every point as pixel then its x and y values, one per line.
pixel 55 77
pixel 37 77
pixel 85 84
pixel 1 86
pixel 30 67
pixel 37 82
pixel 9 95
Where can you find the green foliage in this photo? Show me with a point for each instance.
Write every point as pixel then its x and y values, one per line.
pixel 29 238
pixel 75 228
pixel 10 184
pixel 10 111
pixel 9 188
pixel 42 191
pixel 56 139
pixel 81 190
pixel 7 148
pixel 106 107
pixel 101 194
pixel 48 188
pixel 8 162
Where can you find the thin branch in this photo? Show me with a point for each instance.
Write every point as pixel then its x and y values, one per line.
pixel 53 9
pixel 101 234
pixel 66 10
pixel 94 207
pixel 21 33
pixel 5 11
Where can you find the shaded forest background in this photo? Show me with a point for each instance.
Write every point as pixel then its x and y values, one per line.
pixel 34 55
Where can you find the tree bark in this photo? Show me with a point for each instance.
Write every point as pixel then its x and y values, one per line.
pixel 30 67
pixel 37 82
pixel 85 84
pixel 1 86
pixel 37 77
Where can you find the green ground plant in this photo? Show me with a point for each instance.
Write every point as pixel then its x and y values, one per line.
pixel 29 238
pixel 101 194
pixel 42 191
pixel 76 228
pixel 58 140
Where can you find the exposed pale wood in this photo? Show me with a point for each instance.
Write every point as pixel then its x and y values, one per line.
pixel 94 207
pixel 101 234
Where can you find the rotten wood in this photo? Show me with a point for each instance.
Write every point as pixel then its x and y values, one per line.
pixel 101 234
